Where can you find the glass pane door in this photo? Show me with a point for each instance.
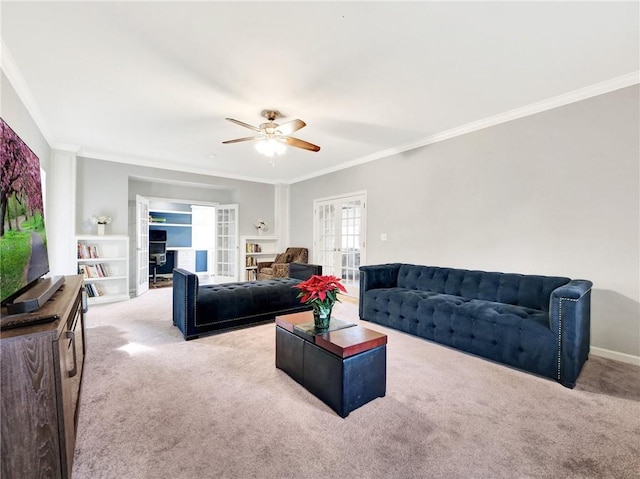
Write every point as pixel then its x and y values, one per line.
pixel 339 238
pixel 350 240
pixel 325 249
pixel 142 245
pixel 226 258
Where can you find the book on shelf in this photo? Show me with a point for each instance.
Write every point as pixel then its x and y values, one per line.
pixel 90 271
pixel 251 261
pixel 253 248
pixel 93 290
pixel 86 251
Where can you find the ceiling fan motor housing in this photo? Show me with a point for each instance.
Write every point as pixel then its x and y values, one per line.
pixel 271 115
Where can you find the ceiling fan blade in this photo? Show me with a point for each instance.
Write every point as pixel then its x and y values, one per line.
pixel 305 145
pixel 247 138
pixel 246 125
pixel 291 126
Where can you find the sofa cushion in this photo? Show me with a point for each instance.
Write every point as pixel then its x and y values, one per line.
pixel 403 303
pixel 511 334
pixel 517 289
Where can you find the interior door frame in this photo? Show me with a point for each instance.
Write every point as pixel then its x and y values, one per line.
pixel 142 240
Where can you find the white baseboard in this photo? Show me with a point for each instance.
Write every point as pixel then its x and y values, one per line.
pixel 623 357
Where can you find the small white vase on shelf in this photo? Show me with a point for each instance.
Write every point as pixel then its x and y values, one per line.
pixel 101 229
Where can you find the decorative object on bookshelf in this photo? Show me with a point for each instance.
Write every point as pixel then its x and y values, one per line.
pixel 101 221
pixel 261 226
pixel 320 292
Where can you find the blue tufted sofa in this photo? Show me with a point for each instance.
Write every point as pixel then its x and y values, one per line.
pixel 536 323
pixel 216 307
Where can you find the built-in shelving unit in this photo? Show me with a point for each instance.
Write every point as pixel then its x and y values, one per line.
pixel 103 262
pixel 177 223
pixel 254 250
pixel 169 218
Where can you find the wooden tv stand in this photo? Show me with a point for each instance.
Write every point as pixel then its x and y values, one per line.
pixel 41 372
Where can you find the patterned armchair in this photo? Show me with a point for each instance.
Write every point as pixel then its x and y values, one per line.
pixel 279 268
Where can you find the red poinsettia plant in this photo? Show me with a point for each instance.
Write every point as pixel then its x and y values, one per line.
pixel 320 291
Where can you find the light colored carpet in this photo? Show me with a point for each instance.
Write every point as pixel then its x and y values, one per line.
pixel 155 406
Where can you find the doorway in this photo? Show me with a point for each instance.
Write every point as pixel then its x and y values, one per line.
pixel 201 238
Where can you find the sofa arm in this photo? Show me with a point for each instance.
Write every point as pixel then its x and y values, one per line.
pixel 377 276
pixel 185 295
pixel 304 271
pixel 264 264
pixel 570 319
pixel 573 291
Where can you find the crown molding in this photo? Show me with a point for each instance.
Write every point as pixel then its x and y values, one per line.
pixel 75 149
pixel 601 88
pixel 173 166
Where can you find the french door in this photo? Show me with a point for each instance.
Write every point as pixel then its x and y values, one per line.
pixel 142 244
pixel 339 238
pixel 226 257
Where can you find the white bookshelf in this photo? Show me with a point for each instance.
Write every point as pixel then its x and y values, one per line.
pixel 250 256
pixel 103 262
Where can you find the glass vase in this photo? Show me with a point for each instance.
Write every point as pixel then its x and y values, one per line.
pixel 322 317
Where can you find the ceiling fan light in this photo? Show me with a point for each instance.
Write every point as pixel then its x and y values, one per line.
pixel 270 147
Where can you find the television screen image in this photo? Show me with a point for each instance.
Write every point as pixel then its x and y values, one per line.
pixel 23 241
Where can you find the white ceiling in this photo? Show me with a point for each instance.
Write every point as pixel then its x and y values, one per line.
pixel 152 82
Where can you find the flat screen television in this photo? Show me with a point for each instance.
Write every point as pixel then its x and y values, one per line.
pixel 23 240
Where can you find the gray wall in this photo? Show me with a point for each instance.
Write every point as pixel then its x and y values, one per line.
pixel 20 120
pixel 555 193
pixel 106 187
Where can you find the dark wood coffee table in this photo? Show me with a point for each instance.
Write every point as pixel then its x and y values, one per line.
pixel 345 367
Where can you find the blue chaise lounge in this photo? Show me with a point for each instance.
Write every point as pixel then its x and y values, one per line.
pixel 536 323
pixel 217 307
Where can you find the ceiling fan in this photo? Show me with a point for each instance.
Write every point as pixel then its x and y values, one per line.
pixel 272 137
